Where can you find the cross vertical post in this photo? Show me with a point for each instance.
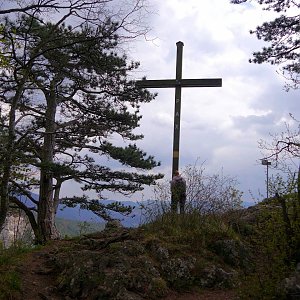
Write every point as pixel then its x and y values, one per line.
pixel 177 109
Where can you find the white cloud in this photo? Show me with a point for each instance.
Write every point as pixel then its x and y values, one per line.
pixel 219 125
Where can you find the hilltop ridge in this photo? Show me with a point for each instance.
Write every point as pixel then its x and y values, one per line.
pixel 241 254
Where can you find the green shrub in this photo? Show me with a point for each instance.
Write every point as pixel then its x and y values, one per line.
pixel 274 254
pixel 194 230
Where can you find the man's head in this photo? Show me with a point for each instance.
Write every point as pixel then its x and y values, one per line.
pixel 176 173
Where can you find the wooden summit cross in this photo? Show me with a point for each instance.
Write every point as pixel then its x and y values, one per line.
pixel 178 83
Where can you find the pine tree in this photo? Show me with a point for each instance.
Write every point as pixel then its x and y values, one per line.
pixel 70 95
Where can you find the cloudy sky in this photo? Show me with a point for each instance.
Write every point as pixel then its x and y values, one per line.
pixel 221 126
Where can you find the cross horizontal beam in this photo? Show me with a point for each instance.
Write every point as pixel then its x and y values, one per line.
pixel 171 83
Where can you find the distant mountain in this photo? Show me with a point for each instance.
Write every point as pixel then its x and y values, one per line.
pixel 132 220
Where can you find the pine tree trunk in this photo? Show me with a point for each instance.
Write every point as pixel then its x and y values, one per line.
pixel 4 200
pixel 46 207
pixel 56 199
pixel 46 211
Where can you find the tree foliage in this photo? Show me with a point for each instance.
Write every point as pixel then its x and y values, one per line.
pixel 69 102
pixel 282 37
pixel 275 241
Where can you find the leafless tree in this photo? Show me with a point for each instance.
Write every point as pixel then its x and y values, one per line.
pixel 206 194
pixel 283 149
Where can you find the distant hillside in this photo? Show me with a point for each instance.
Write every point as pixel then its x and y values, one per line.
pixel 71 228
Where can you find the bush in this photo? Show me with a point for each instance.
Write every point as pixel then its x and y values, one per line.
pixel 275 242
pixel 205 195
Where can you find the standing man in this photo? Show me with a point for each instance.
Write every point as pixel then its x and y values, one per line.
pixel 178 192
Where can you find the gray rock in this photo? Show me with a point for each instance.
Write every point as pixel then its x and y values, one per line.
pixel 214 276
pixel 179 270
pixel 233 252
pixel 291 285
pixel 159 252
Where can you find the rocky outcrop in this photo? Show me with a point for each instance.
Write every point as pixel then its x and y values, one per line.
pixel 113 264
pixel 120 263
pixel 234 253
pixel 17 229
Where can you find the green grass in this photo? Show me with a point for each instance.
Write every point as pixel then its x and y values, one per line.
pixel 10 285
pixel 193 229
pixel 10 282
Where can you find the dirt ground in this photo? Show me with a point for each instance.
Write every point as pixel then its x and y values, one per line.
pixel 205 295
pixel 37 276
